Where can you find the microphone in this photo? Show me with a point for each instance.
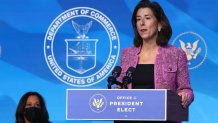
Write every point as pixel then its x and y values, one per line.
pixel 112 79
pixel 128 78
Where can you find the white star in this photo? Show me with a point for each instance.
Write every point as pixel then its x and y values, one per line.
pixel 115 47
pixel 48 47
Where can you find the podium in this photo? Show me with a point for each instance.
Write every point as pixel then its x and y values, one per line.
pixel 124 104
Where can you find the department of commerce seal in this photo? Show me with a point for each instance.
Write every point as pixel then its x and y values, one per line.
pixel 194 46
pixel 81 46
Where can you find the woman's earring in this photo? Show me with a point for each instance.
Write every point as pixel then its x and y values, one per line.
pixel 159 29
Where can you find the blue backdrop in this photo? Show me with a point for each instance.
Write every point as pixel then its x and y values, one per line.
pixel 25 45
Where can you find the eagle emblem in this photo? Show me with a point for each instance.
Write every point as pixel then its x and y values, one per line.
pixel 82 29
pixel 191 50
pixel 98 103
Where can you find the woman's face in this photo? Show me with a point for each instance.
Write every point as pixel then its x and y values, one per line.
pixel 147 24
pixel 32 101
pixel 32 110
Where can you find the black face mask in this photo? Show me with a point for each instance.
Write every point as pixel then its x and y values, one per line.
pixel 33 114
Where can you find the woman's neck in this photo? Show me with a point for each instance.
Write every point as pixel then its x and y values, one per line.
pixel 26 121
pixel 149 46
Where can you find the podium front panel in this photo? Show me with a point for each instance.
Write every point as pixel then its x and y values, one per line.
pixel 116 104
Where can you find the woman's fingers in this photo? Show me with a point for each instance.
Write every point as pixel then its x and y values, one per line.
pixel 184 98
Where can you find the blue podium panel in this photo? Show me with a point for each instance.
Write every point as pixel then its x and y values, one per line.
pixel 116 104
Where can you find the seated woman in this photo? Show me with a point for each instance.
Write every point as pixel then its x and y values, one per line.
pixel 32 109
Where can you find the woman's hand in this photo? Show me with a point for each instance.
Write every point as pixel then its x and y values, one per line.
pixel 184 98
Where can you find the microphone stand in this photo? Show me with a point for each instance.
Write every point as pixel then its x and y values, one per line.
pixel 126 81
pixel 111 81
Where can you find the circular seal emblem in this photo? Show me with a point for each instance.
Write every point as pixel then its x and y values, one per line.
pixel 194 46
pixel 81 46
pixel 98 103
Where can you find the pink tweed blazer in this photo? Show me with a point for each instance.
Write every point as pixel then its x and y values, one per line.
pixel 170 68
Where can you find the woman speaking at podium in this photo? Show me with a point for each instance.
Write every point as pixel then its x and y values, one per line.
pixel 158 64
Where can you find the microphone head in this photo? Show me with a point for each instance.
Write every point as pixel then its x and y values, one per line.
pixel 130 71
pixel 116 71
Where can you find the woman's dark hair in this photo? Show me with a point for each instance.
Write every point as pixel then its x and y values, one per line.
pixel 22 104
pixel 166 31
